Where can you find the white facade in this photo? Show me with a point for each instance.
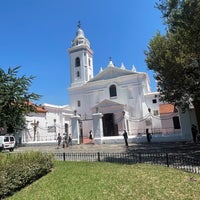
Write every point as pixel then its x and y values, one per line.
pixel 113 100
pixel 122 96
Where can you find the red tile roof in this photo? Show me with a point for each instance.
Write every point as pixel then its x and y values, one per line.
pixel 38 109
pixel 166 108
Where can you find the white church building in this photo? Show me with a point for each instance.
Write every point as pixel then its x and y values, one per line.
pixel 114 100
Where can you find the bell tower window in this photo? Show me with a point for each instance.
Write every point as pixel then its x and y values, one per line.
pixel 113 91
pixel 77 62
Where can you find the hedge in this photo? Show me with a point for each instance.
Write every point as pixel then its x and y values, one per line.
pixel 20 169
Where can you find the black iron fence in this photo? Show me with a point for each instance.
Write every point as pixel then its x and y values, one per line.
pixel 166 159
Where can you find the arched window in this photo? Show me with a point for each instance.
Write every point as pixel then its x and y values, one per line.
pixel 77 64
pixel 113 91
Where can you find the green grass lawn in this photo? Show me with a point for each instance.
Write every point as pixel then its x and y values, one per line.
pixel 98 180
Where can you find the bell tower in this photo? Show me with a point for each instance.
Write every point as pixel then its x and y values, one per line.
pixel 81 59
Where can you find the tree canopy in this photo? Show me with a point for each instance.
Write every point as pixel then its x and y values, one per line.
pixel 14 99
pixel 175 55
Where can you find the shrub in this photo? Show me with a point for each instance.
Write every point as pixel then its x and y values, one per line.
pixel 20 169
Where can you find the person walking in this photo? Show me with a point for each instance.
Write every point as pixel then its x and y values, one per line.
pixel 70 139
pixel 125 134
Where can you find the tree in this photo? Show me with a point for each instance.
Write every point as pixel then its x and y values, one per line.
pixel 175 56
pixel 14 99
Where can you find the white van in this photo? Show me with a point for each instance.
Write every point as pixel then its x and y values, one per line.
pixel 7 142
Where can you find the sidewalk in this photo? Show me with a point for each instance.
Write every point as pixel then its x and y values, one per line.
pixel 189 149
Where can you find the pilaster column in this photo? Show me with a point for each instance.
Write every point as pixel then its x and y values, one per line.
pixel 124 121
pixel 97 127
pixel 75 129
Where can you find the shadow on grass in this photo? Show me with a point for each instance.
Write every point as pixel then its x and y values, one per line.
pixel 164 159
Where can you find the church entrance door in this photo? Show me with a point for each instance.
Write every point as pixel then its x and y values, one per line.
pixel 108 125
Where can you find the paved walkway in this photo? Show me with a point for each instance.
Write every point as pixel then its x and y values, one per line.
pixel 188 149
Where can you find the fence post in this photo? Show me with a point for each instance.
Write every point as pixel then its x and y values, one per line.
pixel 64 156
pixel 140 158
pixel 98 154
pixel 167 159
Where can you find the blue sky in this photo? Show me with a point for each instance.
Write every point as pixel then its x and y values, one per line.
pixel 36 35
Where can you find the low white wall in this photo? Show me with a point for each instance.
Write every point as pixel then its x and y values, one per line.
pixel 171 137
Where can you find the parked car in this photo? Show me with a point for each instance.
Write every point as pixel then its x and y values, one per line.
pixel 7 142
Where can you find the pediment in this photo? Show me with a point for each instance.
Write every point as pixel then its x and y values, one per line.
pixel 108 103
pixel 107 106
pixel 110 73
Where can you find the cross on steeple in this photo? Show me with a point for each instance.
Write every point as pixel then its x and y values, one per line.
pixel 79 24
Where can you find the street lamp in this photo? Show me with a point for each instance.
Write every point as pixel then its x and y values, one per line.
pixel 123 121
pixel 35 125
pixel 54 125
pixel 151 123
pixel 55 128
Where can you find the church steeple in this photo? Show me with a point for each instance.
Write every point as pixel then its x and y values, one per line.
pixel 80 37
pixel 81 59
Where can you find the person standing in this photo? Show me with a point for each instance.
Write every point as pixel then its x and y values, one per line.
pixel 64 140
pixel 59 138
pixel 125 134
pixel 90 136
pixel 149 136
pixel 194 133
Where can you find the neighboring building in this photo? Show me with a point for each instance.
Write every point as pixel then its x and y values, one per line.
pixel 113 100
pixel 44 124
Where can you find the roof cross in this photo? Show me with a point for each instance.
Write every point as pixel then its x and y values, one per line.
pixel 79 24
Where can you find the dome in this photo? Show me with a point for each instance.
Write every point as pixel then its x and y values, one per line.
pixel 80 33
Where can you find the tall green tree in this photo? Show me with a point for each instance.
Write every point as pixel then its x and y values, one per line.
pixel 14 99
pixel 175 55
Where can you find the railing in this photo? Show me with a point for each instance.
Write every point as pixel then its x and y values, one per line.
pixel 44 136
pixel 165 159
